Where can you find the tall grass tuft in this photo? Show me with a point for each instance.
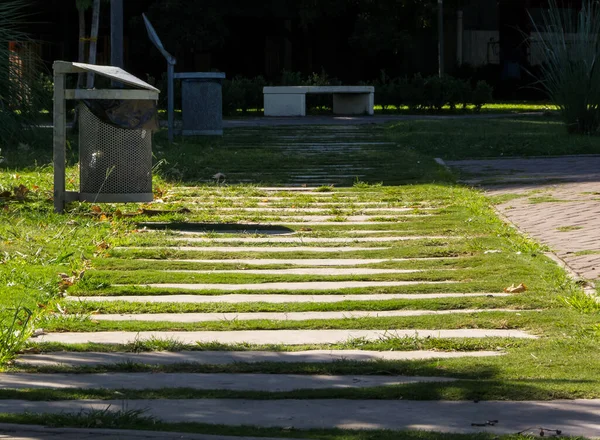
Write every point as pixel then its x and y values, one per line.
pixel 23 93
pixel 15 330
pixel 570 55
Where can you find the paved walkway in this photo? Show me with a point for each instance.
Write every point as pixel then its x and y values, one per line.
pixel 22 432
pixel 572 417
pixel 556 202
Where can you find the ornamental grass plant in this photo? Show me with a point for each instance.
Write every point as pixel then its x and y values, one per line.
pixel 570 63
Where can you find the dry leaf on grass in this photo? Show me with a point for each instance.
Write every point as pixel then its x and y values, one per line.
pixel 516 289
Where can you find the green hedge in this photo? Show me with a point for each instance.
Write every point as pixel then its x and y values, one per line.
pixel 417 93
pixel 431 93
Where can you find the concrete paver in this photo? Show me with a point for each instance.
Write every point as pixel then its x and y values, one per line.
pixel 301 240
pixel 76 359
pixel 283 337
pixel 29 432
pixel 292 211
pixel 572 417
pixel 309 285
pixel 198 381
pixel 283 316
pixel 324 262
pixel 269 249
pixel 305 271
pixel 276 298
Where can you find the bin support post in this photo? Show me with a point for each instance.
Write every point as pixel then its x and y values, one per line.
pixel 171 103
pixel 60 138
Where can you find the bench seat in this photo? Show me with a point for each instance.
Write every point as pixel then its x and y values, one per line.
pixel 291 100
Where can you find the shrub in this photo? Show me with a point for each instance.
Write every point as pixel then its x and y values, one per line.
pixel 570 72
pixel 289 78
pixel 431 93
pixel 243 94
pixel 481 95
pixel 22 92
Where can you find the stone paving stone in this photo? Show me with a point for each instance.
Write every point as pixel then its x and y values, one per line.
pixel 29 432
pixel 76 359
pixel 323 262
pixel 232 249
pixel 572 417
pixel 311 285
pixel 301 240
pixel 283 316
pixel 306 271
pixel 198 381
pixel 292 211
pixel 283 337
pixel 277 298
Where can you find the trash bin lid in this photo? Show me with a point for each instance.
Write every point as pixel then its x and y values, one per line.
pixel 116 74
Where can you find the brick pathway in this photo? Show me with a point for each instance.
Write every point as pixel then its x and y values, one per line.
pixel 559 202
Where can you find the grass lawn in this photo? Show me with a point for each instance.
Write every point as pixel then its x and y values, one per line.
pixel 451 235
pixel 469 139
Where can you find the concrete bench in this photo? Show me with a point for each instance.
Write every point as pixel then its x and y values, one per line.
pixel 291 101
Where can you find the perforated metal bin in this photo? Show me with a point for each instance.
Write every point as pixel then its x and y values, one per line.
pixel 115 152
pixel 115 164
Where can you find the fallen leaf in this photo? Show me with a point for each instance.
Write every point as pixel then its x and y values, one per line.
pixel 102 245
pixel 20 192
pixel 516 289
pixel 96 209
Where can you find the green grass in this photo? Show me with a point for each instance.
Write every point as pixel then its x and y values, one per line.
pixel 568 228
pixel 462 139
pixel 36 245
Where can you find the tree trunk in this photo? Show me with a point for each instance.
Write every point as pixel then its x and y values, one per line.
pixel 94 41
pixel 81 57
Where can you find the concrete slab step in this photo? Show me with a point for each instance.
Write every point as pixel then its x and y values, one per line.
pixel 198 381
pixel 305 271
pixel 32 432
pixel 276 298
pixel 75 359
pixel 572 417
pixel 280 337
pixel 281 233
pixel 300 240
pixel 314 285
pixel 323 262
pixel 253 249
pixel 283 210
pixel 291 316
pixel 350 219
pixel 294 221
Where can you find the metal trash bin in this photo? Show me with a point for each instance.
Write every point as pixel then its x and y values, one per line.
pixel 115 138
pixel 202 103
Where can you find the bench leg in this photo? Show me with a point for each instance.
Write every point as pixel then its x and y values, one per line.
pixel 353 104
pixel 280 104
